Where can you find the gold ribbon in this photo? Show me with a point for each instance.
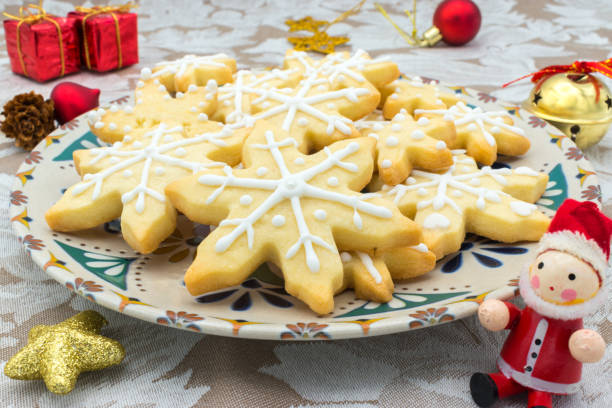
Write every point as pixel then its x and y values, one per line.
pixel 97 10
pixel 412 38
pixel 26 16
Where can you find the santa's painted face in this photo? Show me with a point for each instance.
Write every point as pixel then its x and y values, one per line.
pixel 560 278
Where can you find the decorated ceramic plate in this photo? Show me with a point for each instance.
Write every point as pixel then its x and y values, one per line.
pixel 98 265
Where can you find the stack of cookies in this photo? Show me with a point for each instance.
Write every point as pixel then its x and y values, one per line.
pixel 334 170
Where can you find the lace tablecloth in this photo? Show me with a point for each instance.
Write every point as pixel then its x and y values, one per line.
pixel 170 368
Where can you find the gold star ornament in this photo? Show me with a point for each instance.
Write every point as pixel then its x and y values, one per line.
pixel 58 354
pixel 319 41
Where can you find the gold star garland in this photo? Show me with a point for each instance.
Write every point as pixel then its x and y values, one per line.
pixel 319 41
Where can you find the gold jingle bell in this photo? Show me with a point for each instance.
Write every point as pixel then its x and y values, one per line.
pixel 578 104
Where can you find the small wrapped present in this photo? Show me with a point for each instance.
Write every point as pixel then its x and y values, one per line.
pixel 109 36
pixel 42 46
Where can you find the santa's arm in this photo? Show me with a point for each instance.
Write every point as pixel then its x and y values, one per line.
pixel 587 346
pixel 496 315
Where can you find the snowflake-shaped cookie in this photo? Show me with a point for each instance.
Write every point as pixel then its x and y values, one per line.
pixel 343 68
pixel 411 94
pixel 372 274
pixel 179 74
pixel 291 209
pixel 234 99
pixel 404 143
pixel 482 134
pixel 315 117
pixel 494 203
pixel 153 105
pixel 128 179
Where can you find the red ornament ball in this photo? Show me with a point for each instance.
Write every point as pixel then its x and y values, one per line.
pixel 71 100
pixel 457 20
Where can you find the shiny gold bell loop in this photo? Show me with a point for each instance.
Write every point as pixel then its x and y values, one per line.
pixel 580 105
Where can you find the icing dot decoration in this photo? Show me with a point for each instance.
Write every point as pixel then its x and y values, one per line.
pixel 278 220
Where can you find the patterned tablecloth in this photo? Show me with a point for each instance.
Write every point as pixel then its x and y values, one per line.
pixel 170 368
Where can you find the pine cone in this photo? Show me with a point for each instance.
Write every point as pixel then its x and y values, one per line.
pixel 28 119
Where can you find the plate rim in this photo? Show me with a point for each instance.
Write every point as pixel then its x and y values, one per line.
pixel 273 331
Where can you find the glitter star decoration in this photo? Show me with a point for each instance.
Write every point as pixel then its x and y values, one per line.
pixel 58 354
pixel 319 41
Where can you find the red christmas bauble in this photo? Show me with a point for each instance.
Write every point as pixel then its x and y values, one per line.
pixel 71 100
pixel 457 20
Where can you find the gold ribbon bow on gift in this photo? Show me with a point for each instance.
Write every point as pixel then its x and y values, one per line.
pixel 97 10
pixel 26 16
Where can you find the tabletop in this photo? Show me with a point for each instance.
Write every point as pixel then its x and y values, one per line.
pixel 170 368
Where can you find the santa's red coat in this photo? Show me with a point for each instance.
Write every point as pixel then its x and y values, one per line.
pixel 536 353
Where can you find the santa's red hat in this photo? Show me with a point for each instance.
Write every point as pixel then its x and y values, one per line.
pixel 581 230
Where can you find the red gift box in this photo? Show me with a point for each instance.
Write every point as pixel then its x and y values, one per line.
pixel 42 46
pixel 109 36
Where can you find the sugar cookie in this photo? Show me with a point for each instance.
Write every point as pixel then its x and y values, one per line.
pixel 404 143
pixel 289 212
pixel 482 134
pixel 128 179
pixel 234 99
pixel 486 201
pixel 153 104
pixel 180 74
pixel 411 94
pixel 341 68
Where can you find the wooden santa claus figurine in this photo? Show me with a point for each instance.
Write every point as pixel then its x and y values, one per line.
pixel 547 345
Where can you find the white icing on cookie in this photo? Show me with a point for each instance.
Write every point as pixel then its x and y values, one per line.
pixel 246 199
pixel 522 208
pixel 337 66
pixel 450 184
pixel 417 134
pixel 423 121
pixel 476 119
pixel 345 257
pixel 320 215
pixel 421 247
pixel 156 150
pixel 392 141
pixel 278 220
pixel 436 220
pixel 366 260
pixel 293 187
pixel 179 67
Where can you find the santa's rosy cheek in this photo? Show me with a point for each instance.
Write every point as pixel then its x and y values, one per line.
pixel 568 295
pixel 535 282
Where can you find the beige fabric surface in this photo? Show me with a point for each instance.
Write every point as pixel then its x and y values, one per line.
pixel 171 368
